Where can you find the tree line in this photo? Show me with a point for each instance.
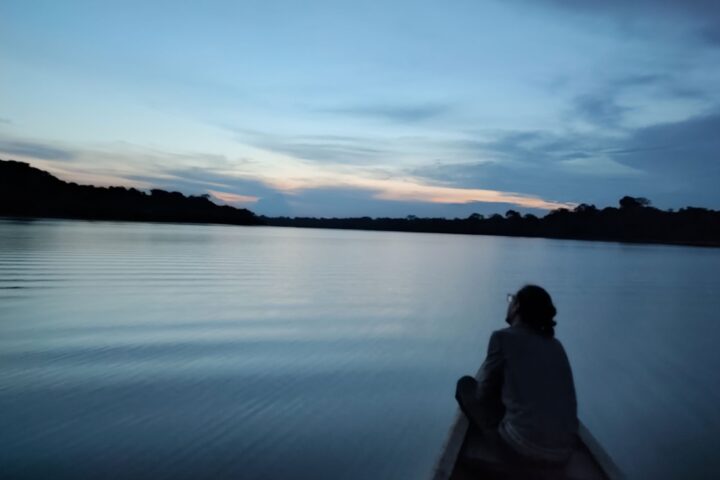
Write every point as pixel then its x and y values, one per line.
pixel 634 220
pixel 26 191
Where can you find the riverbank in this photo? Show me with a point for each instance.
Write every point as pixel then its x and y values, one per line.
pixel 28 192
pixel 697 227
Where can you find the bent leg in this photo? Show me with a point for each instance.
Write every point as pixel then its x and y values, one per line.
pixel 470 405
pixel 482 412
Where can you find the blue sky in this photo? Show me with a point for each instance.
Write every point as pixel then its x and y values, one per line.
pixel 334 108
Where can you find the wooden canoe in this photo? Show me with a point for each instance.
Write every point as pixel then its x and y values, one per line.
pixel 463 458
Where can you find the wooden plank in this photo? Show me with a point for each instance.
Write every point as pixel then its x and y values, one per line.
pixel 454 442
pixel 451 448
pixel 456 437
pixel 612 471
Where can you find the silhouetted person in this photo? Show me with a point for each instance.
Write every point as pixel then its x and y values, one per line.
pixel 523 400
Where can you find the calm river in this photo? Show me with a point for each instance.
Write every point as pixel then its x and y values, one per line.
pixel 133 350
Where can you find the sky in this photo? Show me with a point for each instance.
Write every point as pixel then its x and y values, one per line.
pixel 374 108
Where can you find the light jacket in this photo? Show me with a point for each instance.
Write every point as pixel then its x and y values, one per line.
pixel 531 374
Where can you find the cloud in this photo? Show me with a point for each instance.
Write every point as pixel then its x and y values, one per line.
pixel 571 167
pixel 360 202
pixel 674 164
pixel 600 110
pixel 512 169
pixel 326 149
pixel 288 196
pixel 416 191
pixel 116 163
pixel 691 146
pixel 543 152
pixel 599 166
pixel 233 198
pixel 197 180
pixel 395 113
pixel 36 150
pixel 703 16
pixel 267 200
pixel 711 34
pixel 616 102
pixel 683 157
pixel 504 176
pixel 672 83
pixel 694 8
pixel 637 80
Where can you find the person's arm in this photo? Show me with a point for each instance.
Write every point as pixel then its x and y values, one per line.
pixel 490 375
pixel 572 394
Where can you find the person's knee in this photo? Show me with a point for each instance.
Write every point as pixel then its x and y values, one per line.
pixel 466 382
pixel 465 386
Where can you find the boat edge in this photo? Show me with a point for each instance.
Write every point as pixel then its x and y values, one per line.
pixel 451 448
pixel 612 471
pixel 454 441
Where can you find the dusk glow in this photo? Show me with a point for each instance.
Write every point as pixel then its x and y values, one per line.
pixel 346 108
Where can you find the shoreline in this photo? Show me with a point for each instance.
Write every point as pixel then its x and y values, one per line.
pixel 28 192
pixel 179 222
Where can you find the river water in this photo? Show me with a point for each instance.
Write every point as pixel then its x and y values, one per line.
pixel 132 350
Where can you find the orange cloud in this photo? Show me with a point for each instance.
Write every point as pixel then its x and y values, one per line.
pixel 233 197
pixel 293 178
pixel 413 190
pixel 403 191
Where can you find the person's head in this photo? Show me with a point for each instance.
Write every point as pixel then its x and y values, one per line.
pixel 533 306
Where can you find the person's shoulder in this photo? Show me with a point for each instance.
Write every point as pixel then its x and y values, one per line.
pixel 558 344
pixel 523 334
pixel 507 331
pixel 501 333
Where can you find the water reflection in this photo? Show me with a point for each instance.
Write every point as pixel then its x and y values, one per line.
pixel 186 351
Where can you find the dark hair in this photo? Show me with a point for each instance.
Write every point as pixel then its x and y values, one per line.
pixel 536 309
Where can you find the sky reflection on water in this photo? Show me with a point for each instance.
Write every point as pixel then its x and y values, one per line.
pixel 187 351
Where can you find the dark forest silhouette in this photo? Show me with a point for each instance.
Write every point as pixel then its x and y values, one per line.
pixel 634 221
pixel 28 191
